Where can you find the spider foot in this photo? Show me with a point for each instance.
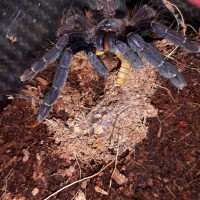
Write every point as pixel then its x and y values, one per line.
pixel 43 112
pixel 179 81
pixel 48 101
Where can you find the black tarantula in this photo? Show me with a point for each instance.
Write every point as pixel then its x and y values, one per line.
pixel 109 33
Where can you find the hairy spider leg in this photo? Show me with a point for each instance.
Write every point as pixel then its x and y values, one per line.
pixel 51 56
pixel 92 58
pixel 58 83
pixel 175 37
pixel 97 64
pixel 162 30
pixel 170 35
pixel 156 59
pixel 62 72
pixel 145 13
pixel 126 55
pixel 111 6
pixel 128 59
pixel 59 79
pixel 99 42
pixel 108 7
pixel 71 22
pixel 107 42
pixel 109 46
pixel 141 19
pixel 47 59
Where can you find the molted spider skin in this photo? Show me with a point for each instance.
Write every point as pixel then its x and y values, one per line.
pixel 119 36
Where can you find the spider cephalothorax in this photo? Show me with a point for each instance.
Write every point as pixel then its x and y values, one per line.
pixel 120 36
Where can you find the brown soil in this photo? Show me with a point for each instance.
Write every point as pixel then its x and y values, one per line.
pixel 144 134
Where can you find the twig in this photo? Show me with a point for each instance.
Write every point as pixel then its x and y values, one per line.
pixel 6 182
pixel 80 180
pixel 170 192
pixel 75 195
pixel 115 122
pixel 170 54
pixel 168 91
pixel 192 181
pixel 140 165
pixel 116 160
pixel 159 131
pixel 78 165
pixel 172 112
pixel 192 28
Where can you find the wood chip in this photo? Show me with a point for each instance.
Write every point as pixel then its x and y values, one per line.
pixel 119 178
pixel 80 196
pixel 100 190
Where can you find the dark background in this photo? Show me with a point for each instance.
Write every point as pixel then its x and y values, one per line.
pixel 27 27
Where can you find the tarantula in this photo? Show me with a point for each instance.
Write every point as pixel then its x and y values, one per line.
pixel 123 37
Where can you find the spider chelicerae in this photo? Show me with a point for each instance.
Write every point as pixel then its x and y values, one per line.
pixel 122 36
